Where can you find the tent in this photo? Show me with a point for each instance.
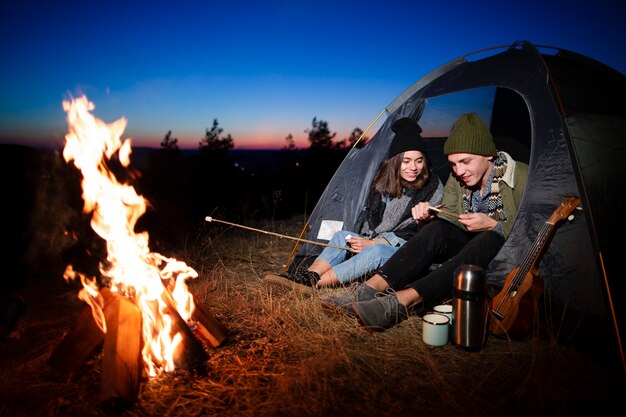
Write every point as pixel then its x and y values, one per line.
pixel 559 111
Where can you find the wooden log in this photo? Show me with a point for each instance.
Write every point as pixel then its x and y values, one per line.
pixel 209 328
pixel 121 360
pixel 80 343
pixel 190 354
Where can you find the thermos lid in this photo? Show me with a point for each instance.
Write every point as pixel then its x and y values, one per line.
pixel 470 278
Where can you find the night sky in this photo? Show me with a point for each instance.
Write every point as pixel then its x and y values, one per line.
pixel 264 70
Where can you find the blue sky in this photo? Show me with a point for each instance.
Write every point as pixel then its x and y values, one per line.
pixel 262 69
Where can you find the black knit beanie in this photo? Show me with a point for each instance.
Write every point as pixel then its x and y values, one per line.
pixel 407 137
pixel 470 135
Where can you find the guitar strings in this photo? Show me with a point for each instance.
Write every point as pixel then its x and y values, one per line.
pixel 526 264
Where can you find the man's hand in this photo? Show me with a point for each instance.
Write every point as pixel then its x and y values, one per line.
pixel 477 222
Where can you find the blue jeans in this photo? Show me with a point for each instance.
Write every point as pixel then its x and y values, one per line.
pixel 369 259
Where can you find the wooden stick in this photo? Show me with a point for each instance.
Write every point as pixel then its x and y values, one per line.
pixel 444 212
pixel 211 219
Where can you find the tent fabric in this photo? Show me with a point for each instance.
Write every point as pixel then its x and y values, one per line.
pixel 577 126
pixel 346 193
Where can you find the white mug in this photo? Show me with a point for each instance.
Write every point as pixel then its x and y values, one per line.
pixel 445 309
pixel 435 328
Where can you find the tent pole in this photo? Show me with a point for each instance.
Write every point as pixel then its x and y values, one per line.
pixel 368 128
pixel 613 315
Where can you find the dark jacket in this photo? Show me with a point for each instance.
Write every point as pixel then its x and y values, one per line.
pixel 375 207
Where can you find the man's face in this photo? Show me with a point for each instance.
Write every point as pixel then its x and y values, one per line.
pixel 472 169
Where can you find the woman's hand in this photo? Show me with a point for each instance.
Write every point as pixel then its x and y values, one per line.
pixel 477 222
pixel 420 212
pixel 358 243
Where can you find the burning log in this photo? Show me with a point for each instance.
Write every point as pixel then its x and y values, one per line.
pixel 190 354
pixel 121 361
pixel 82 341
pixel 207 328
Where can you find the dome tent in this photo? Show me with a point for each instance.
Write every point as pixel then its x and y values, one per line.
pixel 564 114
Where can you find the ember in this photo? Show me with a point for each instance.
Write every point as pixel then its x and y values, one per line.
pixel 144 313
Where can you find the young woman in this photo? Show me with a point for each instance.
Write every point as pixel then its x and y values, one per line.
pixel 403 180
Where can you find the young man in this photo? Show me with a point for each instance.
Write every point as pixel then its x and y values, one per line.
pixel 481 199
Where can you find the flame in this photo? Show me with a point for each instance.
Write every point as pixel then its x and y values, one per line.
pixel 134 271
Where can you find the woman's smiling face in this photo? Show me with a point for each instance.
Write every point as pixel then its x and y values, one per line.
pixel 412 165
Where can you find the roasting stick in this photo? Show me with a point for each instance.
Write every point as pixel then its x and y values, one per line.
pixel 211 219
pixel 447 213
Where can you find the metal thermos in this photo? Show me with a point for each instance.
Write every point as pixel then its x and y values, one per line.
pixel 470 306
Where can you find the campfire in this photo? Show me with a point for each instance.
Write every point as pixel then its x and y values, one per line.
pixel 143 315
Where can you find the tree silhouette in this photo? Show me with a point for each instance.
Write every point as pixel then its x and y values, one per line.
pixel 213 140
pixel 168 142
pixel 319 134
pixel 169 150
pixel 354 137
pixel 290 145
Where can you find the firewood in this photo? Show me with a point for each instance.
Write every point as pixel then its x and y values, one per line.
pixel 208 327
pixel 190 354
pixel 121 360
pixel 82 341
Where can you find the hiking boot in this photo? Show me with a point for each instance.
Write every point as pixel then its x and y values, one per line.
pixel 302 281
pixel 382 312
pixel 356 292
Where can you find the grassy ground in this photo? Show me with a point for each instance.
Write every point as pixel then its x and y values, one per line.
pixel 286 356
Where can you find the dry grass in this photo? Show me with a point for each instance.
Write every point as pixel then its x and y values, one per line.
pixel 287 356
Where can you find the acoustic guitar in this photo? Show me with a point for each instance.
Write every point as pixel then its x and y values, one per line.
pixel 513 308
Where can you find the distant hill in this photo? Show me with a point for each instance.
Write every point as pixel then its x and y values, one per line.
pixel 252 160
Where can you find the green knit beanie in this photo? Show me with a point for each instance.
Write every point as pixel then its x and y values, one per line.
pixel 470 135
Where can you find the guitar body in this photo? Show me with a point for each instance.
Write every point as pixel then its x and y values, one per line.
pixel 518 307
